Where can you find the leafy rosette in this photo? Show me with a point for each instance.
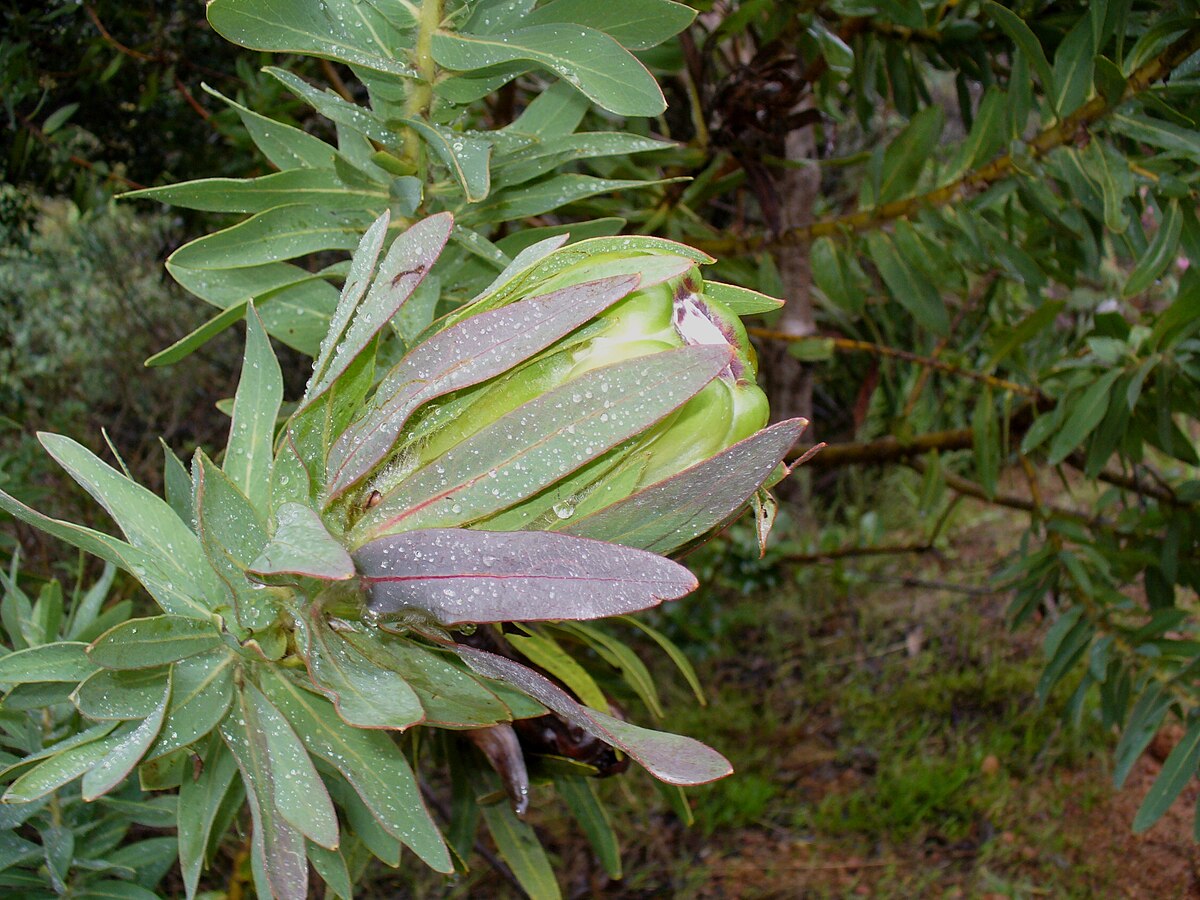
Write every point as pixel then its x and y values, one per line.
pixel 525 462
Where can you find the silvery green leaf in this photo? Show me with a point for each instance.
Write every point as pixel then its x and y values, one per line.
pixel 592 61
pixel 669 757
pixel 460 576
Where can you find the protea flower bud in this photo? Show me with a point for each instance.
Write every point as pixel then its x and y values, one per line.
pixel 660 308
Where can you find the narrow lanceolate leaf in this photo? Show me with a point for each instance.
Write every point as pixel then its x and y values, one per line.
pixel 112 694
pixel 465 354
pixel 300 795
pixel 147 520
pixel 279 233
pixel 1159 254
pixel 233 534
pixel 201 692
pixel 249 453
pixel 739 300
pixel 302 545
pixel 636 24
pixel 544 440
pixel 466 157
pixel 669 757
pixel 319 186
pixel 462 576
pixel 671 513
pixel 404 267
pixel 519 846
pixel 354 33
pixel 63 767
pixel 358 279
pixel 200 801
pixel 369 760
pixel 1021 35
pixel 365 695
pixel 156 641
pixel 593 62
pixel 278 846
pixel 450 696
pixel 1177 771
pixel 909 287
pixel 65 661
pixel 126 754
pixel 580 796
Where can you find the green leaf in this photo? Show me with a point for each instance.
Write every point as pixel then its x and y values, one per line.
pixel 302 545
pixel 200 801
pixel 280 863
pixel 910 289
pixel 201 691
pixel 677 656
pixel 1024 38
pixel 250 451
pixel 906 156
pixel 1143 723
pixel 538 197
pixel 987 137
pixel 450 697
pixel 558 110
pixel 318 187
pixel 1110 81
pixel 127 752
pixel 359 120
pixel 233 534
pixel 590 60
pixel 739 300
pixel 63 767
pixel 331 866
pixel 1085 414
pixel 148 522
pixel 1073 62
pixel 519 846
pixel 635 24
pixel 365 695
pixel 622 658
pixel 144 643
pixel 300 795
pixel 1155 132
pixel 1177 771
pixel 369 760
pixel 284 146
pixel 358 34
pixel 65 661
pixel 580 796
pixel 832 276
pixel 113 694
pixel 467 158
pixel 355 325
pixel 1161 252
pixel 985 429
pixel 279 233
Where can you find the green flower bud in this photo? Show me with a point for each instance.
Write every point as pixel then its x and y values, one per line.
pixel 668 313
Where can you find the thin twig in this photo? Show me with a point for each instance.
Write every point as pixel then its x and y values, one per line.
pixel 928 362
pixel 113 42
pixel 1061 133
pixel 845 552
pixel 926 584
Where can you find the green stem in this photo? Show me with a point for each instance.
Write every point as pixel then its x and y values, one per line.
pixel 421 96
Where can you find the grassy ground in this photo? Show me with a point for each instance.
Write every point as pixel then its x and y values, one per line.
pixel 887 744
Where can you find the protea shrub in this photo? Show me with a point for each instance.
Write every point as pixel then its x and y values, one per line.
pixel 423 547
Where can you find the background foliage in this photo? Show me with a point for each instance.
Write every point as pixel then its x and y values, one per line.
pixel 983 217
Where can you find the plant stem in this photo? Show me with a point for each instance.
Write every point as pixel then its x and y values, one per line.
pixel 421 96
